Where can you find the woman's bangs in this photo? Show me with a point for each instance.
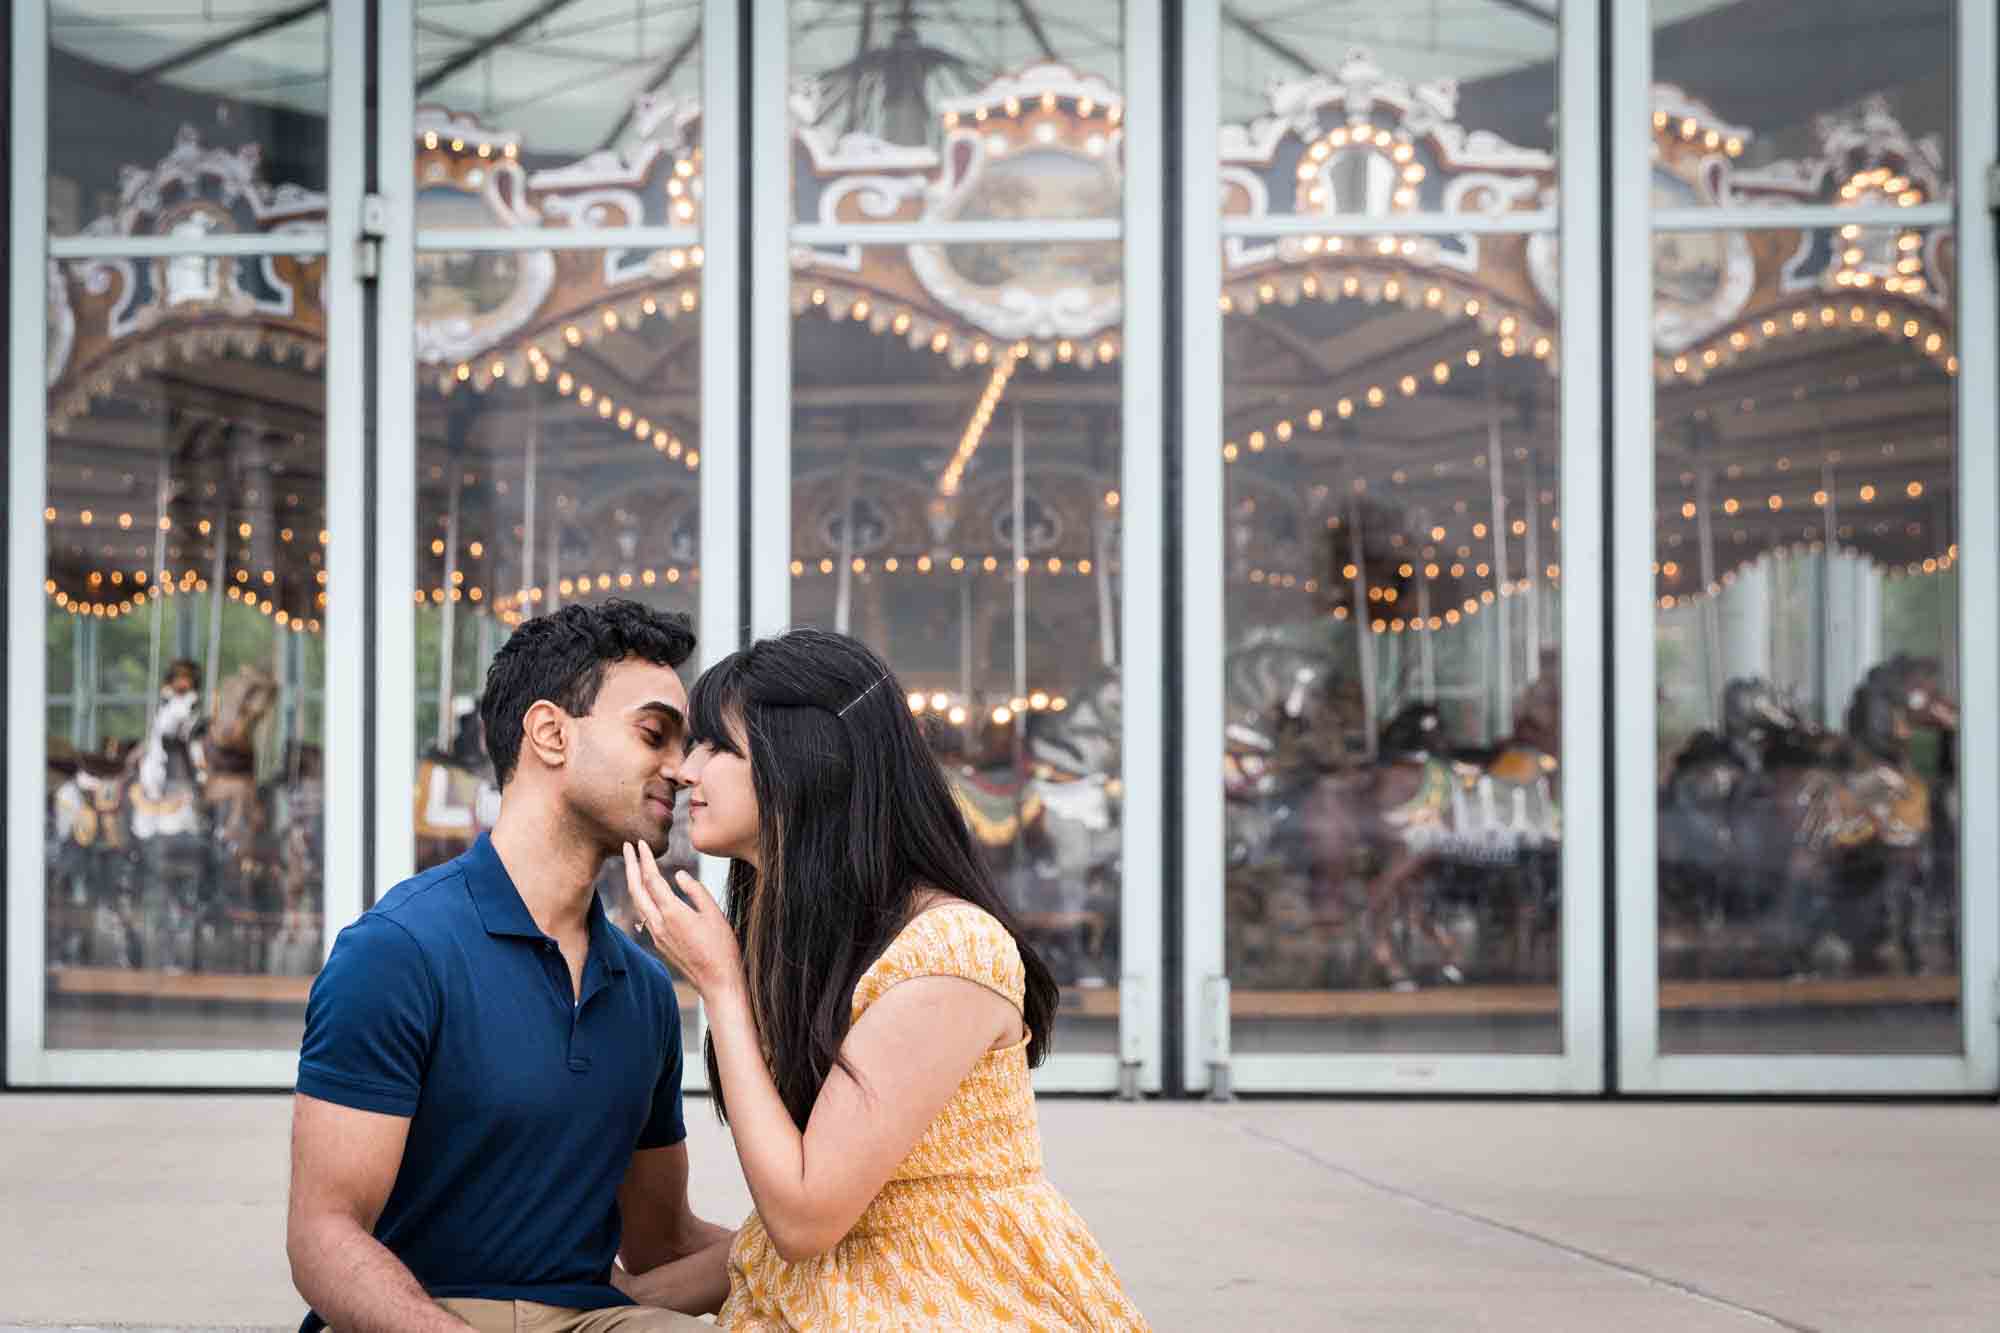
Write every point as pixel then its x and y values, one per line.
pixel 715 704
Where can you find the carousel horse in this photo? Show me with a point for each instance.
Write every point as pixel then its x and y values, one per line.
pixel 230 749
pixel 456 798
pixel 1720 803
pixel 1835 834
pixel 93 878
pixel 299 805
pixel 197 822
pixel 1862 846
pixel 1422 807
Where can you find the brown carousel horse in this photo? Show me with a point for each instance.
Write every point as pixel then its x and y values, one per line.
pixel 1836 833
pixel 189 799
pixel 1423 808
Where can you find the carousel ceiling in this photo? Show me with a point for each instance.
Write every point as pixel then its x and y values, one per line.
pixel 1390 401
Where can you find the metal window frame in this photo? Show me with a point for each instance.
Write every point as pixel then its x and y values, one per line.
pixel 1642 1066
pixel 1136 1063
pixel 29 1063
pixel 1579 1067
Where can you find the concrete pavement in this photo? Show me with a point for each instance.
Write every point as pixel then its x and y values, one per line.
pixel 167 1212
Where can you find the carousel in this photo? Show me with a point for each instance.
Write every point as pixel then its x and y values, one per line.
pixel 1393 522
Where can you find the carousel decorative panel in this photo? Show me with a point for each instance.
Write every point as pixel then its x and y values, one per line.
pixel 1745 84
pixel 956 112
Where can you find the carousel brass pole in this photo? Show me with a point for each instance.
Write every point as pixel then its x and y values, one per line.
pixel 1364 638
pixel 1823 600
pixel 1532 614
pixel 528 505
pixel 1427 650
pixel 1708 621
pixel 1947 622
pixel 211 666
pixel 1107 616
pixel 448 623
pixel 843 600
pixel 1020 569
pixel 156 597
pixel 1497 500
pixel 965 658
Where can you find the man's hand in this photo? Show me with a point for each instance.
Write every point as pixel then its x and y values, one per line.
pixel 697 1284
pixel 659 1225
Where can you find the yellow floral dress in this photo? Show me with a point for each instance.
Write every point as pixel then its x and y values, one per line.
pixel 968 1233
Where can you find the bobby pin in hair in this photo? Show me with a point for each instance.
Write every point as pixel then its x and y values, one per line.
pixel 858 698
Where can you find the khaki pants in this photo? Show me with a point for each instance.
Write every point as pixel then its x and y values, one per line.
pixel 530 1317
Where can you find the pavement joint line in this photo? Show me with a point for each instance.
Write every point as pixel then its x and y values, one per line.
pixel 1688 1289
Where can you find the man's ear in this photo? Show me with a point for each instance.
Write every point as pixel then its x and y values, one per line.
pixel 545 731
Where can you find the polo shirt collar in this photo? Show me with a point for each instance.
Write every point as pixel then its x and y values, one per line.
pixel 502 911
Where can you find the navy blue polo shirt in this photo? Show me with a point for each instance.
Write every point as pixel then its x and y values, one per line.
pixel 447 1004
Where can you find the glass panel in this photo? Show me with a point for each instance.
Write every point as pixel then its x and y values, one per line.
pixel 185 585
pixel 1417 73
pixel 955 505
pixel 1795 101
pixel 1393 611
pixel 1806 555
pixel 547 473
pixel 584 114
pixel 220 95
pixel 977 113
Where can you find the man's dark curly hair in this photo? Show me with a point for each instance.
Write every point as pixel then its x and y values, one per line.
pixel 562 657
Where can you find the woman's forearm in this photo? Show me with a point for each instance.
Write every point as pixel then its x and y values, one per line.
pixel 769 1145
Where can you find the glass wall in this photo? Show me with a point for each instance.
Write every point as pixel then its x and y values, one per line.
pixel 185 514
pixel 940 381
pixel 1806 534
pixel 1391 522
pixel 956 428
pixel 558 430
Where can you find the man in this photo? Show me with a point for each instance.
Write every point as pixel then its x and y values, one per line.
pixel 488 1110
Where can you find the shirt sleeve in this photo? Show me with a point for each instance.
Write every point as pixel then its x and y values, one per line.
pixel 666 1125
pixel 370 1021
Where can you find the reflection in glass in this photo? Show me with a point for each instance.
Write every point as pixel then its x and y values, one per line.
pixel 1806 557
pixel 964 112
pixel 556 471
pixel 955 505
pixel 1766 88
pixel 1488 67
pixel 230 94
pixel 589 118
pixel 1392 597
pixel 186 591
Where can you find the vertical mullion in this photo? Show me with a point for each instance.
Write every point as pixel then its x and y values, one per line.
pixel 720 625
pixel 1142 515
pixel 346 436
pixel 1582 545
pixel 770 313
pixel 27 553
pixel 1978 325
pixel 1629 345
pixel 395 705
pixel 1203 613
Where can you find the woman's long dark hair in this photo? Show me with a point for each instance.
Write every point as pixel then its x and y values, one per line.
pixel 854 817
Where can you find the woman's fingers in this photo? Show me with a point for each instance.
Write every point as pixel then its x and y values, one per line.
pixel 697 894
pixel 649 901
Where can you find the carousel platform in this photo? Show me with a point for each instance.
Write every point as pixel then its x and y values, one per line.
pixel 168 1213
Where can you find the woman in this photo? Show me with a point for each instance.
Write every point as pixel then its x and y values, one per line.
pixel 872 1016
